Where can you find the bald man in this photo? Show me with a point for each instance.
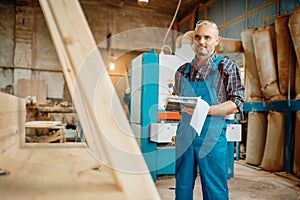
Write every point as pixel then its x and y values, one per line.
pixel 217 80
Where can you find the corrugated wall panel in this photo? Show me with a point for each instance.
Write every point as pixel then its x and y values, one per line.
pixel 263 17
pixel 215 12
pixel 234 9
pixel 239 15
pixel 234 30
pixel 252 4
pixel 287 6
pixel 222 33
pixel 256 20
pixel 271 13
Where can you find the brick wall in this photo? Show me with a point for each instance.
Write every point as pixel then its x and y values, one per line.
pixel 33 56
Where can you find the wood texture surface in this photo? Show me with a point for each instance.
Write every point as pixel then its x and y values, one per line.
pixel 33 87
pixel 47 171
pixel 228 45
pixel 55 172
pixel 104 123
pixel 12 115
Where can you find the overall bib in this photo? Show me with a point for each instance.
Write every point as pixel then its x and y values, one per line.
pixel 207 151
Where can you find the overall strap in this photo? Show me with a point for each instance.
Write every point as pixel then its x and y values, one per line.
pixel 216 64
pixel 186 71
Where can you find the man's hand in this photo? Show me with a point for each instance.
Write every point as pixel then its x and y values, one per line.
pixel 188 110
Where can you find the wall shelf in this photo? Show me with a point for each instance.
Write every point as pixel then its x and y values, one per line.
pixel 280 106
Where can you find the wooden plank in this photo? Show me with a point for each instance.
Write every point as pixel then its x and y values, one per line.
pixel 32 87
pixel 12 115
pixel 48 173
pixel 49 125
pixel 51 138
pixel 44 124
pixel 228 45
pixel 104 123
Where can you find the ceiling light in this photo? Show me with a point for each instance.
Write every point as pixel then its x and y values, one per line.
pixel 112 66
pixel 143 3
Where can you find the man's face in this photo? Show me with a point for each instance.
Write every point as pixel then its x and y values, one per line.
pixel 206 38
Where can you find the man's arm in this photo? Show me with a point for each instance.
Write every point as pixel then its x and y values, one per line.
pixel 221 109
pixel 235 96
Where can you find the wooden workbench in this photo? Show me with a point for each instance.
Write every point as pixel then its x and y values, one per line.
pixel 61 136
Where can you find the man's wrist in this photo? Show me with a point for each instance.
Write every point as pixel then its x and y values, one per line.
pixel 210 110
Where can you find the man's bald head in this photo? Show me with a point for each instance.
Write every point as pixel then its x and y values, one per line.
pixel 208 23
pixel 206 38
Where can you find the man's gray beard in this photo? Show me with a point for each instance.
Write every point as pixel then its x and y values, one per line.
pixel 201 53
pixel 206 53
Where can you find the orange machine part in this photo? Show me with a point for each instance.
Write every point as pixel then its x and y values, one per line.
pixel 169 116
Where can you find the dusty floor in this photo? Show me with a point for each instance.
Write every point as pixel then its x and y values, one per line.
pixel 248 183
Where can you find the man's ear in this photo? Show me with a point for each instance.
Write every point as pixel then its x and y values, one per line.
pixel 218 40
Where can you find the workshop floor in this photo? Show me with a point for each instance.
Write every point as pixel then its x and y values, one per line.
pixel 248 183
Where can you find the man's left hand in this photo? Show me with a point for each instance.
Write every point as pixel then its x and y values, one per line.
pixel 188 110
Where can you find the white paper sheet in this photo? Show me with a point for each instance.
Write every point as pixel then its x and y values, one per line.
pixel 199 115
pixel 234 132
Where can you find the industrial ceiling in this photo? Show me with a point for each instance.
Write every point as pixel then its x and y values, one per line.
pixel 167 7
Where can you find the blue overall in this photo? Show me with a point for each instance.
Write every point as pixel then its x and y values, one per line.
pixel 207 151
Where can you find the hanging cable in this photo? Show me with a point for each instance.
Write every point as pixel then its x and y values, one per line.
pixel 174 17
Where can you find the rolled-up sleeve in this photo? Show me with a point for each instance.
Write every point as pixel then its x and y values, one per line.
pixel 176 88
pixel 177 79
pixel 235 88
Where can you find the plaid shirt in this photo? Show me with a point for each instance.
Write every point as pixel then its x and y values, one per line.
pixel 229 72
